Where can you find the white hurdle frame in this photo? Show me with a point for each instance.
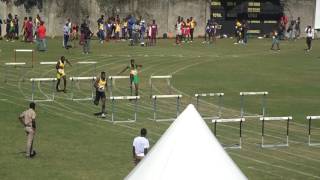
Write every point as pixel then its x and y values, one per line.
pixel 73 79
pixel 309 118
pixel 219 95
pixel 240 120
pixel 263 102
pixel 33 80
pixel 130 98
pixel 12 64
pixel 154 99
pixel 24 50
pixel 48 63
pixel 167 77
pixel 112 80
pixel 284 118
pixel 94 63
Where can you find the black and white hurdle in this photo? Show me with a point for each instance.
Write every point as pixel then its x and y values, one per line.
pixel 15 51
pixel 39 80
pixel 218 95
pixel 240 120
pixel 284 118
pixel 14 65
pixel 310 118
pixel 133 99
pixel 263 102
pixel 112 82
pixel 77 79
pixel 154 100
pixel 166 77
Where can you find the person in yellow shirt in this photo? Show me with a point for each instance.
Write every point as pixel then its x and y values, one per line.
pixel 193 24
pixel 101 85
pixel 117 30
pixel 60 66
pixel 124 28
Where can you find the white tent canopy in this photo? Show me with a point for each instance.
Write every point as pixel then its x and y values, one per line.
pixel 317 15
pixel 187 150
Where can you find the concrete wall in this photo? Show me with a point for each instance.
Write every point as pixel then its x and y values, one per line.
pixel 165 12
pixel 305 9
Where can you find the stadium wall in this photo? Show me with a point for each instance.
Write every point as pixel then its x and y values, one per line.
pixel 165 12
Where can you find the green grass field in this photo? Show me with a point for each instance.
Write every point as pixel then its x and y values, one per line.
pixel 74 144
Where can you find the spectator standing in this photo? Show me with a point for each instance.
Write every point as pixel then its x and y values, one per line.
pixel 142 31
pixel 29 28
pixel 42 46
pixel 117 30
pixel 87 38
pixel 275 39
pixel 310 34
pixel 297 28
pixel 66 35
pixel 124 29
pixel 101 29
pixel 1 28
pixel 140 146
pixel 154 33
pixel 192 26
pixel 16 27
pixel 24 29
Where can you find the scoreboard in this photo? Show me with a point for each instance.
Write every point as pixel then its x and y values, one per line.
pixel 262 15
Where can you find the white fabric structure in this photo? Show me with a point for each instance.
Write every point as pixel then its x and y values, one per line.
pixel 187 150
pixel 317 15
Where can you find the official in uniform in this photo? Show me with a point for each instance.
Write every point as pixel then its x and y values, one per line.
pixel 28 119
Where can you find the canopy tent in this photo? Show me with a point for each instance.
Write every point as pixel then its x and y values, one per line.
pixel 187 150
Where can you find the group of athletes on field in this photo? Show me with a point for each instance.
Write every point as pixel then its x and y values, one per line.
pixel 101 82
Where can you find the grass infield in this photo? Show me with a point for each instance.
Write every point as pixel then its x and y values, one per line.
pixel 74 144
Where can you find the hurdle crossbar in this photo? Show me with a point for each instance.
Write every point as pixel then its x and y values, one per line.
pixel 310 118
pixel 93 63
pixel 73 79
pixel 34 80
pixel 15 64
pixel 154 99
pixel 24 50
pixel 240 120
pixel 263 102
pixel 167 77
pixel 284 118
pixel 219 95
pixel 113 82
pixel 135 108
pixel 48 63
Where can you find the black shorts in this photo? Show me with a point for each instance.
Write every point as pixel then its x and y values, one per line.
pixel 99 95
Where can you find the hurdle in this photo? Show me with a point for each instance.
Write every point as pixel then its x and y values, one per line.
pixel 263 102
pixel 74 79
pixel 240 120
pixel 219 95
pixel 113 79
pixel 48 63
pixel 24 51
pixel 34 80
pixel 154 99
pixel 15 64
pixel 309 118
pixel 93 63
pixel 135 108
pixel 167 78
pixel 263 119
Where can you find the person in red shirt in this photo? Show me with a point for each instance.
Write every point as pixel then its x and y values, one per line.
pixel 154 32
pixel 42 46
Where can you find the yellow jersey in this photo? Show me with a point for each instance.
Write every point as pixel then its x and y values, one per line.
pixel 101 85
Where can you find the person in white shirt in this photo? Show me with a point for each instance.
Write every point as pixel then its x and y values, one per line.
pixel 140 146
pixel 309 32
